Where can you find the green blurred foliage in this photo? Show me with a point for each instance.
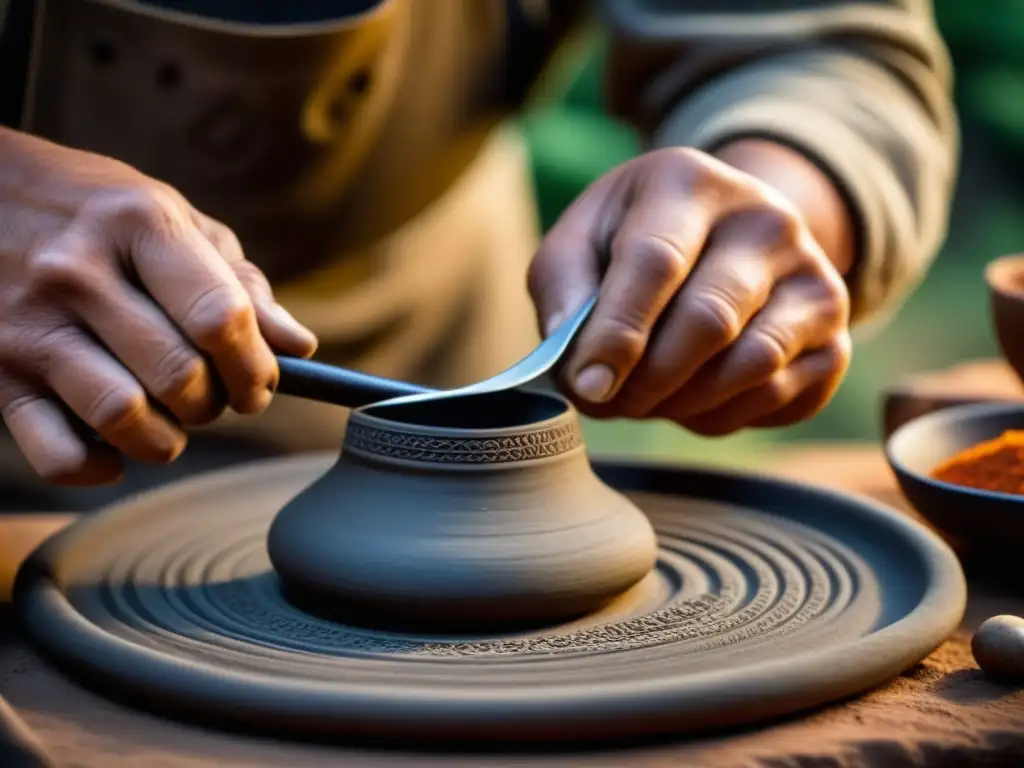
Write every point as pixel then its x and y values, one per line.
pixel 946 320
pixel 987 42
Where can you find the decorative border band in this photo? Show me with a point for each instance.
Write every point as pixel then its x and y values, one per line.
pixel 392 444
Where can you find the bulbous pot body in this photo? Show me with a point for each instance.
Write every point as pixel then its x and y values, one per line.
pixel 452 527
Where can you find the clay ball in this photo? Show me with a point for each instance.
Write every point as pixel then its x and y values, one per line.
pixel 998 647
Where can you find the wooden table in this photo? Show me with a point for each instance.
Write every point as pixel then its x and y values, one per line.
pixel 943 712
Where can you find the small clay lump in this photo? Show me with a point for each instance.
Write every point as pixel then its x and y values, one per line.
pixel 998 647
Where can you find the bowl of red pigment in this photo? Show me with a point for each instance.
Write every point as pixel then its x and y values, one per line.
pixel 962 469
pixel 1005 279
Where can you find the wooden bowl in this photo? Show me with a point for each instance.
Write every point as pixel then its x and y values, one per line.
pixel 1005 279
pixel 972 518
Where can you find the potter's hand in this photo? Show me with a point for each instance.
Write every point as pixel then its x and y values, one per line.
pixel 117 294
pixel 720 308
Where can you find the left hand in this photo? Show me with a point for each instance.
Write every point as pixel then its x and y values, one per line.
pixel 719 309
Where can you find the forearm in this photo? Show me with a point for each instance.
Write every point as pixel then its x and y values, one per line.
pixel 862 93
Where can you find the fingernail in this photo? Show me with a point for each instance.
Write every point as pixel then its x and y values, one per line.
pixel 594 383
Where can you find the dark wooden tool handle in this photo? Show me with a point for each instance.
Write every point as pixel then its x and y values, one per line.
pixel 340 386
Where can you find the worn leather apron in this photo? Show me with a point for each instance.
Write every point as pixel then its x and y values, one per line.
pixel 258 125
pixel 265 127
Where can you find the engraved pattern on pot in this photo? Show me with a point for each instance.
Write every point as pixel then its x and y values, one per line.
pixel 375 441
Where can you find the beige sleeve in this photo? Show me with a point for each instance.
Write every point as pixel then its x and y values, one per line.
pixel 864 89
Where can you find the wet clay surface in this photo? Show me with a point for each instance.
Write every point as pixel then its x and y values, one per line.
pixel 941 712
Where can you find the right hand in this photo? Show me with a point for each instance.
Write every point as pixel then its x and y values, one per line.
pixel 116 295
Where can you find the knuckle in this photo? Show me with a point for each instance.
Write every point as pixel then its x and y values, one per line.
pixel 625 335
pixel 710 180
pixel 178 372
pixel 699 172
pixel 60 271
pixel 786 223
pixel 50 346
pixel 657 258
pixel 718 315
pixel 14 403
pixel 251 276
pixel 218 317
pixel 686 159
pixel 769 351
pixel 145 206
pixel 773 222
pixel 223 238
pixel 747 283
pixel 118 409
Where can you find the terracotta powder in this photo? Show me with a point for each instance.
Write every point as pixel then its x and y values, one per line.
pixel 995 465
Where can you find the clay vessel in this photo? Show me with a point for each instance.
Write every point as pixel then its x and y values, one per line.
pixel 461 515
pixel 1005 279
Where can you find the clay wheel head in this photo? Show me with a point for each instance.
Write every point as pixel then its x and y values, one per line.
pixel 767 598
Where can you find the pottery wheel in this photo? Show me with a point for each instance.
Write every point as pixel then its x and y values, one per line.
pixel 768 598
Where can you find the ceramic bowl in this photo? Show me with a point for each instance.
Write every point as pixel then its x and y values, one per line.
pixel 1005 279
pixel 969 517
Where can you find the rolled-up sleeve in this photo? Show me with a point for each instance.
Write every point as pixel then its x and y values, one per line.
pixel 863 89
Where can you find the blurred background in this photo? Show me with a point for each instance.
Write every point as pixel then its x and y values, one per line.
pixel 944 322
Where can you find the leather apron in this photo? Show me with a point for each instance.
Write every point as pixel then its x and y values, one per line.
pixel 258 125
pixel 265 127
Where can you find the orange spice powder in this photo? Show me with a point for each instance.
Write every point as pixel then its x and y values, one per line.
pixel 995 465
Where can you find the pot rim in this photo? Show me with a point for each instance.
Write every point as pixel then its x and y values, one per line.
pixel 392 442
pixel 361 417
